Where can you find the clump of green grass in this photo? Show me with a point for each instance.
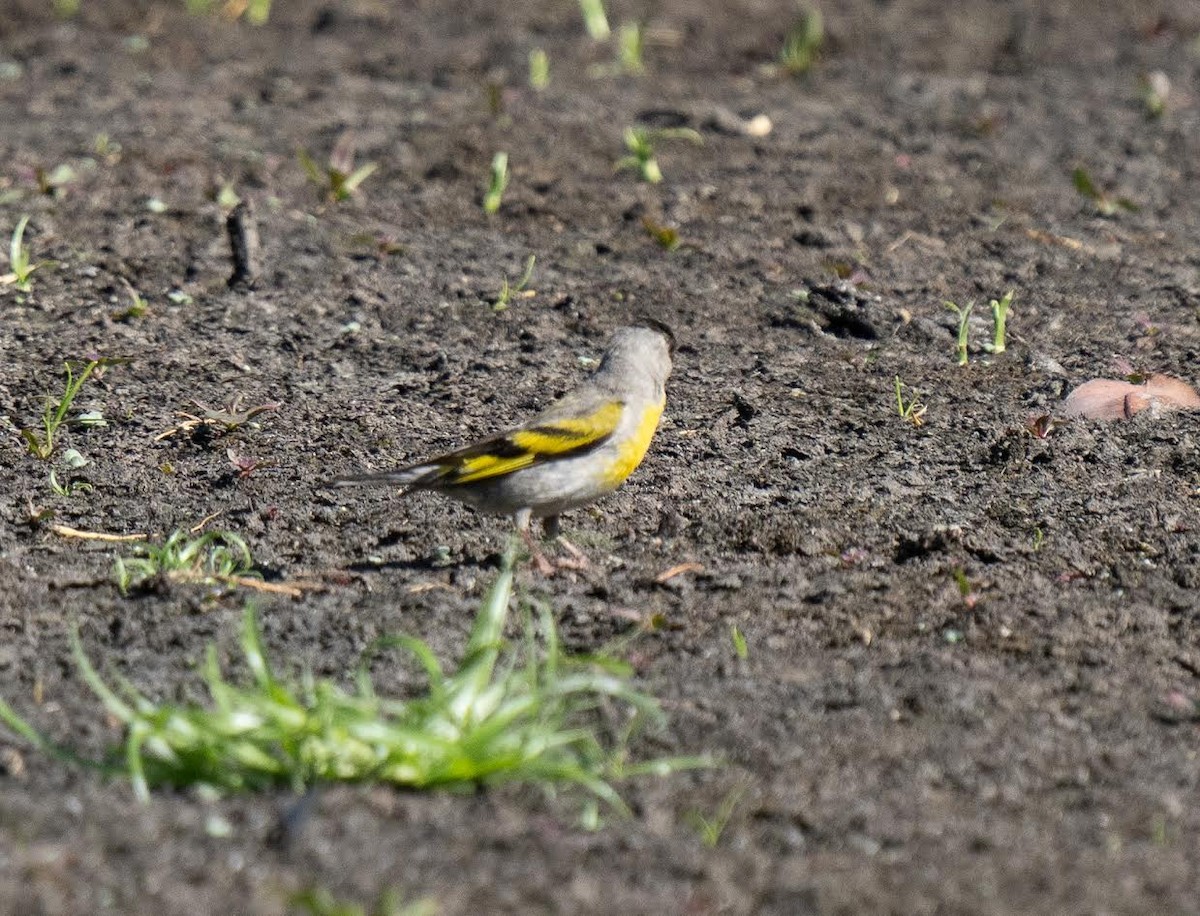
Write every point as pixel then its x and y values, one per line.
pixel 54 415
pixel 524 713
pixel 640 143
pixel 212 558
pixel 22 266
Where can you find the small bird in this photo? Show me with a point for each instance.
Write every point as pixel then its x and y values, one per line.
pixel 579 449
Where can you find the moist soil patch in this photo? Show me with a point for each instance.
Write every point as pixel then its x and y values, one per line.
pixel 972 659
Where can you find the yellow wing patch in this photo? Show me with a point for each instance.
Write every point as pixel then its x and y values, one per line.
pixel 569 435
pixel 484 466
pixel 523 448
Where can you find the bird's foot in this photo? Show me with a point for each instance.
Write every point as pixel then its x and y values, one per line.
pixel 543 564
pixel 577 561
pixel 546 566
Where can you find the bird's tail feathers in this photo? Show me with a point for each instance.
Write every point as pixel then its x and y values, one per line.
pixel 401 477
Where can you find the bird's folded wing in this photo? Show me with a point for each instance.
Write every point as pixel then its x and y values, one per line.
pixel 556 434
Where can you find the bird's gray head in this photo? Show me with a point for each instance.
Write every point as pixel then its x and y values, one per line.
pixel 640 352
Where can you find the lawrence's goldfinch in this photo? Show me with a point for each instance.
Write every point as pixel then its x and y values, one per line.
pixel 581 448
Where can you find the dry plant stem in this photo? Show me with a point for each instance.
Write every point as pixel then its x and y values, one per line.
pixel 678 570
pixel 68 532
pixel 200 525
pixel 271 588
pixel 242 228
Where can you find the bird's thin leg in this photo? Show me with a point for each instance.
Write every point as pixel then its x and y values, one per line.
pixel 536 556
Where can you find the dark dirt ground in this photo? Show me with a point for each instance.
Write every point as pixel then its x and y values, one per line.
pixel 901 748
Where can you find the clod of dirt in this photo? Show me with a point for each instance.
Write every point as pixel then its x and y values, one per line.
pixel 841 310
pixel 1113 399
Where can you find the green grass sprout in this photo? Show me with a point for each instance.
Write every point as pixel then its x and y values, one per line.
pixel 510 291
pixel 227 198
pixel 318 901
pixel 54 414
pixel 19 261
pixel 497 183
pixel 70 488
pixel 640 142
pixel 106 149
pixel 339 180
pixel 255 12
pixel 1105 203
pixel 137 308
pixel 803 42
pixel 494 92
pixel 71 460
pixel 666 237
pixel 595 20
pixel 1000 309
pixel 740 649
pixel 1154 88
pixel 910 411
pixel 526 712
pixel 539 69
pixel 963 313
pixel 216 557
pixel 53 182
pixel 711 828
pixel 631 42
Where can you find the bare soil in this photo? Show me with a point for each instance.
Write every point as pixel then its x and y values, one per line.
pixel 973 655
